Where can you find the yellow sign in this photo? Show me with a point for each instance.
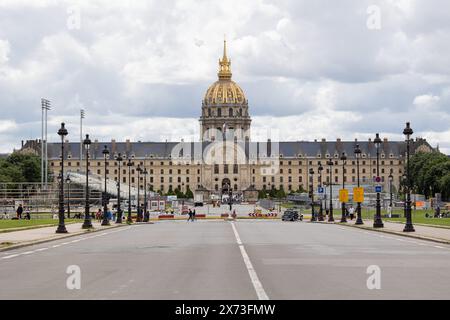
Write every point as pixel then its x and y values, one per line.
pixel 343 195
pixel 358 194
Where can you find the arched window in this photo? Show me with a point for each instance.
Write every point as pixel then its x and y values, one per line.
pixel 230 112
pixel 219 112
pixel 209 112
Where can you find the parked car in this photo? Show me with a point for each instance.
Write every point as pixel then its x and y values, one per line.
pixel 291 215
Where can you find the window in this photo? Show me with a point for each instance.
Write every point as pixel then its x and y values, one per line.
pixel 236 170
pixel 230 112
pixel 216 169
pixel 219 112
pixel 225 168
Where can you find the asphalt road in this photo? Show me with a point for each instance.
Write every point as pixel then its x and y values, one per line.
pixel 214 260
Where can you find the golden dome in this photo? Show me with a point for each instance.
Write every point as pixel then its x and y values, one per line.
pixel 224 91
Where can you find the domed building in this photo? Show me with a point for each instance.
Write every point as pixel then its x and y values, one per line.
pixel 224 107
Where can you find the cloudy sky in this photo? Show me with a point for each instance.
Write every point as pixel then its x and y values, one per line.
pixel 310 69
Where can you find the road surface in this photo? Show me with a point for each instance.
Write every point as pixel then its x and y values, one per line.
pixel 222 260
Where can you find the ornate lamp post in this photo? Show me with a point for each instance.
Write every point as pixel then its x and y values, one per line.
pixel 139 170
pixel 146 217
pixel 87 216
pixel 62 132
pixel 357 152
pixel 105 221
pixel 408 226
pixel 330 217
pixel 129 164
pixel 320 169
pixel 344 162
pixel 68 181
pixel 378 223
pixel 119 210
pixel 311 178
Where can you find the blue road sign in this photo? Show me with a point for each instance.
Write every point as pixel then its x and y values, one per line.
pixel 320 190
pixel 378 189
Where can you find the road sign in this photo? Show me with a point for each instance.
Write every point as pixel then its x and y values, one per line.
pixel 378 179
pixel 358 194
pixel 320 189
pixel 343 195
pixel 378 189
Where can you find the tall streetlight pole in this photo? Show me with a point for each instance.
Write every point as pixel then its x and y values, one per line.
pixel 311 178
pixel 344 162
pixel 81 138
pixel 68 181
pixel 357 152
pixel 139 171
pixel 129 164
pixel 146 217
pixel 45 106
pixel 87 215
pixel 391 179
pixel 105 221
pixel 330 216
pixel 119 160
pixel 378 223
pixel 408 131
pixel 62 132
pixel 320 169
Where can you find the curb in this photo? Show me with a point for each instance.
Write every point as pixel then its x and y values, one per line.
pixel 31 227
pixel 68 235
pixel 407 235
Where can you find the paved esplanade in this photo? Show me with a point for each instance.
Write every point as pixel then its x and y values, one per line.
pixel 204 260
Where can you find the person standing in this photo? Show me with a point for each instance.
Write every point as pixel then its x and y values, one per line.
pixel 190 215
pixel 389 211
pixel 19 211
pixel 193 215
pixel 352 212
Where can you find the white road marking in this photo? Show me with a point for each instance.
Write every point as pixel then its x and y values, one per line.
pixel 28 252
pixel 41 249
pixel 251 271
pixel 439 247
pixel 10 256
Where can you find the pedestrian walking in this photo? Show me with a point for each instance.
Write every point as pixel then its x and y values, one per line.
pixel 190 218
pixel 193 215
pixel 19 211
pixel 389 210
pixel 352 212
pixel 27 214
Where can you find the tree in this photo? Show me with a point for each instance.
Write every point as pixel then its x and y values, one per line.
pixel 189 194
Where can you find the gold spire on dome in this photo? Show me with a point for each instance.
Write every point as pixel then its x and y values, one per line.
pixel 224 64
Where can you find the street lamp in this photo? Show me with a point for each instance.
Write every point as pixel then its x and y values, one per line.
pixel 139 170
pixel 62 132
pixel 146 217
pixel 344 162
pixel 87 216
pixel 68 181
pixel 320 169
pixel 408 226
pixel 129 164
pixel 119 210
pixel 391 179
pixel 357 152
pixel 105 221
pixel 330 216
pixel 311 178
pixel 378 223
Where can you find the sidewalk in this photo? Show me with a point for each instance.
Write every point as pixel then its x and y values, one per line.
pixel 18 239
pixel 441 235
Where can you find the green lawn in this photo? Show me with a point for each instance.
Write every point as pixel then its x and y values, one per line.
pixel 418 216
pixel 11 224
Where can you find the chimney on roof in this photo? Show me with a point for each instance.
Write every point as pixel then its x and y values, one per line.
pixel 113 146
pixel 385 140
pixel 22 144
pixel 128 145
pixel 323 140
pixel 356 139
pixel 315 140
pixel 370 139
pixel 338 140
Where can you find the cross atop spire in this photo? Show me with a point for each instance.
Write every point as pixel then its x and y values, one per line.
pixel 224 64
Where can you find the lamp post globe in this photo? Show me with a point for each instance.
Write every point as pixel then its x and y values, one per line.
pixel 378 223
pixel 408 226
pixel 313 214
pixel 62 132
pixel 320 169
pixel 119 160
pixel 357 151
pixel 105 221
pixel 87 224
pixel 344 162
pixel 330 163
